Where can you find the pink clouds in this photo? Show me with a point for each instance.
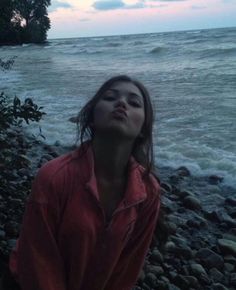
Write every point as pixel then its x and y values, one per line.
pixel 72 18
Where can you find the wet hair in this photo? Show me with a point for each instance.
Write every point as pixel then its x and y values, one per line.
pixel 143 145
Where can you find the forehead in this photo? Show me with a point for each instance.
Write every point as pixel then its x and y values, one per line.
pixel 126 87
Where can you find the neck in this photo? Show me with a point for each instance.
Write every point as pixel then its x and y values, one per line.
pixel 111 157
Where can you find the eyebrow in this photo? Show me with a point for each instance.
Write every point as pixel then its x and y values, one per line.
pixel 131 94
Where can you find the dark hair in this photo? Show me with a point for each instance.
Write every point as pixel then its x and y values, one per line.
pixel 143 146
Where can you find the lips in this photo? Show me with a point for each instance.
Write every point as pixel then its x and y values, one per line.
pixel 119 113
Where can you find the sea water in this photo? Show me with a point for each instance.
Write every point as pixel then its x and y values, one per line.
pixel 191 76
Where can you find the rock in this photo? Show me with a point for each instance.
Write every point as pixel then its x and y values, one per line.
pixel 210 259
pixel 227 246
pixel 166 186
pixel 183 171
pixel 199 272
pixel 215 179
pixel 182 194
pixel 11 243
pixel 2 234
pixel 145 287
pixel 170 246
pixel 173 287
pixel 216 275
pixel 183 251
pixel 196 223
pixel 218 286
pixel 230 259
pixel 229 236
pixel 11 229
pixel 231 201
pixel 232 279
pixel 156 270
pixel 180 281
pixel 191 202
pixel 161 285
pixel 229 267
pixel 185 282
pixel 24 160
pixel 150 279
pixel 156 256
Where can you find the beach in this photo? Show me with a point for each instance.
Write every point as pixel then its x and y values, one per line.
pixel 194 243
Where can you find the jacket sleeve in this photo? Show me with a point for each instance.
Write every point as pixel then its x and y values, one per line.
pixel 39 263
pixel 131 261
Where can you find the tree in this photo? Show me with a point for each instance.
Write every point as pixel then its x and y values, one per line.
pixel 9 22
pixel 24 21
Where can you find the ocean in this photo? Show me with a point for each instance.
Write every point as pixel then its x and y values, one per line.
pixel 191 76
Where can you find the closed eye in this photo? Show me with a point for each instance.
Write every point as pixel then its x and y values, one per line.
pixel 109 98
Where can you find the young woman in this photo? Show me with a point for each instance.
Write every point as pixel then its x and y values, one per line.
pixel 91 215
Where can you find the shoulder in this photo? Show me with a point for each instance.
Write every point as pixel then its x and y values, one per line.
pixel 55 167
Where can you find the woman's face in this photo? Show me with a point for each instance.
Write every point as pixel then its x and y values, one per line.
pixel 120 110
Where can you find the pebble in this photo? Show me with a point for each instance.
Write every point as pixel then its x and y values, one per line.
pixel 227 246
pixel 233 279
pixel 191 202
pixel 218 286
pixel 210 259
pixel 216 275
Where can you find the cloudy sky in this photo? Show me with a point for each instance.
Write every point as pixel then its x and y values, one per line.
pixel 76 18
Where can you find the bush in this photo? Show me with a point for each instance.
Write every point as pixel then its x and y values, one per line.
pixel 14 113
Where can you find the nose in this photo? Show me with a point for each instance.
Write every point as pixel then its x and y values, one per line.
pixel 121 102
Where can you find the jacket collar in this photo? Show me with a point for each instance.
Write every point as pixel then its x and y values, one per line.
pixel 135 189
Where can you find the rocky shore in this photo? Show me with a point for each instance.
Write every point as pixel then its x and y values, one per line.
pixel 194 245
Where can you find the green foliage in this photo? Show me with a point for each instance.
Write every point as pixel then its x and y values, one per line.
pixel 23 21
pixel 14 113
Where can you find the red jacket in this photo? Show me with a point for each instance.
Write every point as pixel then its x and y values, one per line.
pixel 65 243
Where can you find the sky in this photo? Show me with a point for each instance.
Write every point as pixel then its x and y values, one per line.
pixel 85 18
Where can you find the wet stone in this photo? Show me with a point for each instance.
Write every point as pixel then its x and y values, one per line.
pixel 173 287
pixel 215 179
pixel 156 256
pixel 227 246
pixel 166 186
pixel 231 201
pixel 210 259
pixel 216 275
pixel 229 267
pixel 191 202
pixel 183 171
pixel 2 234
pixel 150 279
pixel 218 286
pixel 156 270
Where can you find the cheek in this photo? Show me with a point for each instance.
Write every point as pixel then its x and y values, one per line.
pixel 99 114
pixel 139 120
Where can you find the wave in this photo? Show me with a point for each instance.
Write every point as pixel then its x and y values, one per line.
pixel 138 43
pixel 157 50
pixel 211 52
pixel 83 51
pixel 113 44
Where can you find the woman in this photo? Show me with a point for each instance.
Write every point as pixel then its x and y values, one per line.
pixel 91 215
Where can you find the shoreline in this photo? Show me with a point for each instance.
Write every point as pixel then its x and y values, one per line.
pixel 194 244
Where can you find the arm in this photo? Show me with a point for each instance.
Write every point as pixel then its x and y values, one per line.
pixel 39 263
pixel 131 261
